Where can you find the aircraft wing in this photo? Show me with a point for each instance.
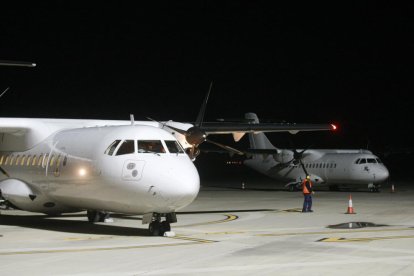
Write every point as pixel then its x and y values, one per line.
pixel 223 128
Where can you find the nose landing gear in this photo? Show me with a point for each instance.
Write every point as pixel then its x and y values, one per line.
pixel 160 223
pixel 374 188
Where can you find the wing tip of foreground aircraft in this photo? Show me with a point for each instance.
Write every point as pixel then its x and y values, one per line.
pixel 17 63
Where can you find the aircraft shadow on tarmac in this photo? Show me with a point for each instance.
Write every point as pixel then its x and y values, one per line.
pixel 70 226
pixel 60 224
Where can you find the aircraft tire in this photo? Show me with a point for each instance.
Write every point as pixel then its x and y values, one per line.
pixel 93 216
pixel 154 228
pixel 165 227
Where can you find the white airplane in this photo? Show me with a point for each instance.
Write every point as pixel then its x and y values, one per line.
pixel 56 166
pixel 331 167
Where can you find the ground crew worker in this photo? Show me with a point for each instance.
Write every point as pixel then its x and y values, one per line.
pixel 307 194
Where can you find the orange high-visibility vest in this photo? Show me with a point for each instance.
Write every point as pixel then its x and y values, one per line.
pixel 304 188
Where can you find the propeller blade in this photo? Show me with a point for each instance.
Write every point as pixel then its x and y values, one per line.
pixel 4 92
pixel 181 131
pixel 229 149
pixel 200 116
pixel 4 172
pixel 303 167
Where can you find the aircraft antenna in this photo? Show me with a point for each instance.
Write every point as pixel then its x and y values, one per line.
pixel 131 116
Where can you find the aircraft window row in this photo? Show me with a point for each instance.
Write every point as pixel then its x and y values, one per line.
pixel 320 165
pixel 32 160
pixel 368 160
pixel 144 146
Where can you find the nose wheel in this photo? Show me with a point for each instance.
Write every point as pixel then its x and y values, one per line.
pixel 374 188
pixel 158 227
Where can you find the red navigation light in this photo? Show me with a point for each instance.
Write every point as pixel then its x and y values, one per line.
pixel 334 127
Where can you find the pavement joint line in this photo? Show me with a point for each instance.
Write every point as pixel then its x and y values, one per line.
pixel 178 237
pixel 191 241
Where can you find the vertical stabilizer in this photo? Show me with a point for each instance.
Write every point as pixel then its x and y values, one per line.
pixel 258 140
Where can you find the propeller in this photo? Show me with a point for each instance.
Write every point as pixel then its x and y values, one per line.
pixel 297 159
pixel 195 135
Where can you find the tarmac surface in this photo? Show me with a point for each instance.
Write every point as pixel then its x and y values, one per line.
pixel 225 231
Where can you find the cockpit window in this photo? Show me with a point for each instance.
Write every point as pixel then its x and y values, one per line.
pixel 174 147
pixel 363 161
pixel 110 150
pixel 151 146
pixel 379 161
pixel 127 147
pixel 371 160
pixel 357 161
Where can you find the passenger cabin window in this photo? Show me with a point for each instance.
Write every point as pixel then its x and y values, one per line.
pixel 110 150
pixel 127 147
pixel 29 160
pixel 39 162
pixel 34 160
pixel 174 147
pixel 150 146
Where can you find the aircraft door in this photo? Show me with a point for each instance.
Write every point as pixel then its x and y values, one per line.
pixel 132 170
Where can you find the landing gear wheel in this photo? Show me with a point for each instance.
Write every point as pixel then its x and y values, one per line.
pixel 96 216
pixel 165 227
pixel 93 216
pixel 154 228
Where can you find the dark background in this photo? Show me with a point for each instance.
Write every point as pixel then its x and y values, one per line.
pixel 349 64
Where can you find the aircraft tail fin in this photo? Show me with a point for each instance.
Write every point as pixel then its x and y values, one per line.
pixel 258 140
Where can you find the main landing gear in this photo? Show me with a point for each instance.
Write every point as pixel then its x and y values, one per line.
pixel 160 223
pixel 98 216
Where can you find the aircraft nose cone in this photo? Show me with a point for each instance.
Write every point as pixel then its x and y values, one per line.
pixel 178 185
pixel 383 174
pixel 380 174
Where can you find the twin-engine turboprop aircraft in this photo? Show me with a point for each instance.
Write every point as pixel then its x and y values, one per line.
pixel 56 166
pixel 332 167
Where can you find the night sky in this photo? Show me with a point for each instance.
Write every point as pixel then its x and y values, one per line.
pixel 350 64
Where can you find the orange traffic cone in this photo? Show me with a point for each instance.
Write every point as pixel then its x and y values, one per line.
pixel 350 208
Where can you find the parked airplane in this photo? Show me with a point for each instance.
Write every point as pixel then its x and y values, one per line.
pixel 331 167
pixel 56 166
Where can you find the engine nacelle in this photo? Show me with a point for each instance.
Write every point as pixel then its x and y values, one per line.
pixel 283 156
